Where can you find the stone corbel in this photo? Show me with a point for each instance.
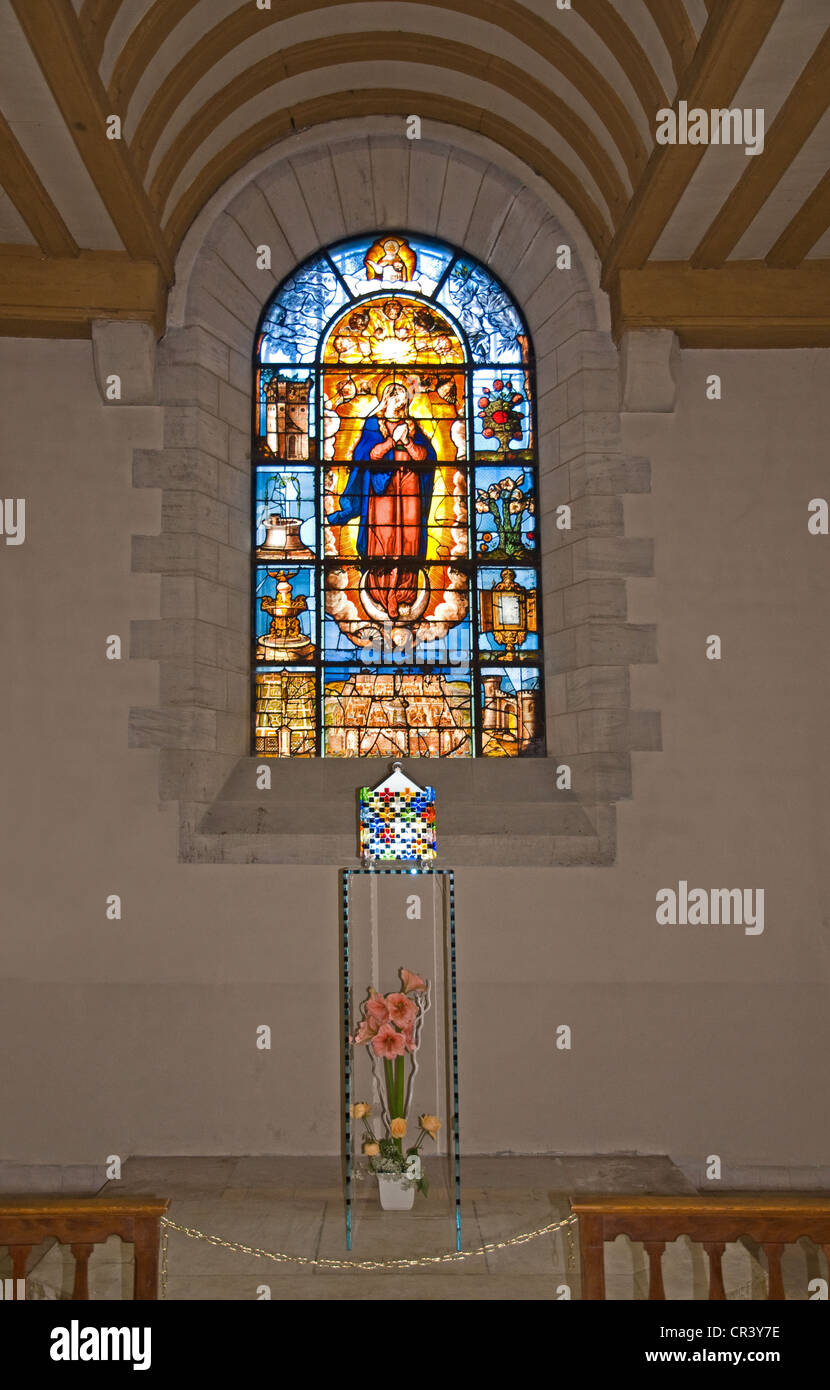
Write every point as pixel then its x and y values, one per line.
pixel 649 360
pixel 124 355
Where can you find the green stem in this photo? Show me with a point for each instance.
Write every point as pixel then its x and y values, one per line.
pixel 399 1082
pixel 390 1086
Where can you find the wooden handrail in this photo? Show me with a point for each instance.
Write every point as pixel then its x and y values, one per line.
pixel 81 1223
pixel 769 1218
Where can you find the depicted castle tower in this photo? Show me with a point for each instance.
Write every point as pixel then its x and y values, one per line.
pixel 286 417
pixel 510 723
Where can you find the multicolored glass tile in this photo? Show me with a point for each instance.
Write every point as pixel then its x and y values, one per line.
pixel 397 820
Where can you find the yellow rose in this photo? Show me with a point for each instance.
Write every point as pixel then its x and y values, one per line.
pixel 371 1150
pixel 397 1128
pixel 431 1124
pixel 360 1110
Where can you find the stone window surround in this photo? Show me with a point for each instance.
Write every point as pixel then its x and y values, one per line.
pixel 296 199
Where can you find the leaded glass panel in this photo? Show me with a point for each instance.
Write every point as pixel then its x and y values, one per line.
pixel 396 585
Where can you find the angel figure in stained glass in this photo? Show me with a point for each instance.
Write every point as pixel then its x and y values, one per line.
pixel 390 260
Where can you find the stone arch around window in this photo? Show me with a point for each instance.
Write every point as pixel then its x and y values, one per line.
pixel 351 178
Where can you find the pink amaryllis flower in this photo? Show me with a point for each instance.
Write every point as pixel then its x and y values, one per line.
pixel 377 1008
pixel 408 1036
pixel 402 1011
pixel 411 981
pixel 367 1030
pixel 388 1042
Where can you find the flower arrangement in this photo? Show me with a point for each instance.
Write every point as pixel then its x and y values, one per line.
pixel 499 409
pixel 390 1028
pixel 507 505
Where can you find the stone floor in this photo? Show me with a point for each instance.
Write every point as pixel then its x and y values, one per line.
pixel 295 1206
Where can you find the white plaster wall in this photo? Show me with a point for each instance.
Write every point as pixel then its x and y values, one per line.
pixel 138 1036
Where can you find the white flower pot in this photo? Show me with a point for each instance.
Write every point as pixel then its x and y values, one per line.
pixel 394 1194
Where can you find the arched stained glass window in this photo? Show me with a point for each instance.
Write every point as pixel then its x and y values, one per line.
pixel 396 579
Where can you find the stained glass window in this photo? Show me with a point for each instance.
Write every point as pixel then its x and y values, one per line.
pixel 397 607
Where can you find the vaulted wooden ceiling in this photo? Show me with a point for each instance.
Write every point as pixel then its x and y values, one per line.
pixel 728 249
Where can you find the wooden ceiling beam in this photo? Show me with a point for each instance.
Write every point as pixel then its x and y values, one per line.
pixel 21 183
pixel 609 25
pixel 676 31
pixel 727 49
pixel 385 102
pixel 548 40
pixel 56 39
pixel 142 45
pixel 744 304
pixel 95 17
pixel 801 234
pixel 798 117
pixel 60 298
pixel 335 49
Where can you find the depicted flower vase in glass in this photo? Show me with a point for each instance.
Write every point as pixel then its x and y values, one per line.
pixel 391 1030
pixel 508 505
pixel 500 411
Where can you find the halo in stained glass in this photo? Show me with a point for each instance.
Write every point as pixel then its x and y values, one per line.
pixel 437 404
pixel 393 328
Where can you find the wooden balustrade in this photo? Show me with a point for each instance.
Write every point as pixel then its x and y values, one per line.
pixel 715 1221
pixel 81 1223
